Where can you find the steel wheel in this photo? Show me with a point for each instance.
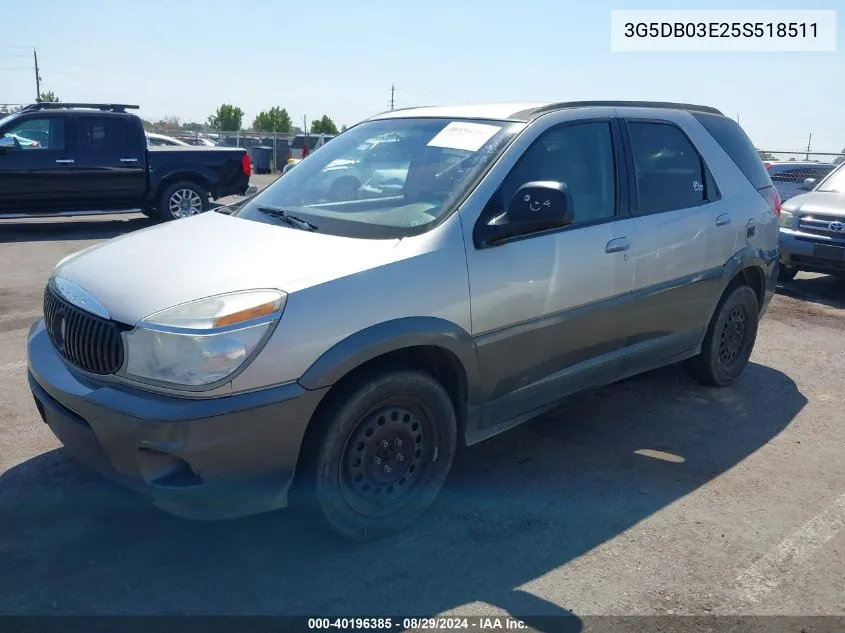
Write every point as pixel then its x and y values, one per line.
pixel 386 457
pixel 184 203
pixel 732 336
pixel 379 452
pixel 729 339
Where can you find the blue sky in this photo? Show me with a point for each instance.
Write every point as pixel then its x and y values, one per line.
pixel 184 57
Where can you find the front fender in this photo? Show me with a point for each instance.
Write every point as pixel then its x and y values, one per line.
pixel 390 336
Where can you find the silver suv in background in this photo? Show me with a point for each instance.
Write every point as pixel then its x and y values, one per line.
pixel 812 228
pixel 337 351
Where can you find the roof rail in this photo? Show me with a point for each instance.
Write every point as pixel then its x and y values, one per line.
pixel 105 107
pixel 629 104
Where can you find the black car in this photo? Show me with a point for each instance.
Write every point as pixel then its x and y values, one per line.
pixel 93 158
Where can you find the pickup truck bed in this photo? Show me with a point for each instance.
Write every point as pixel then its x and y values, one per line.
pixel 90 160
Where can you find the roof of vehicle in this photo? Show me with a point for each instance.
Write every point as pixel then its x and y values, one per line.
pixel 527 111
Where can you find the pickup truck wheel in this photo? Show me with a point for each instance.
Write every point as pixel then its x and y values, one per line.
pixel 182 200
pixel 386 447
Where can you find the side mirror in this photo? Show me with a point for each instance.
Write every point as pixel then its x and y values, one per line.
pixel 7 144
pixel 536 206
pixel 808 184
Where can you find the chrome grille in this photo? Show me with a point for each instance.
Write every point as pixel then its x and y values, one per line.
pixel 86 340
pixel 821 226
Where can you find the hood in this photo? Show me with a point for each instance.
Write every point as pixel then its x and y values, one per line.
pixel 821 202
pixel 140 273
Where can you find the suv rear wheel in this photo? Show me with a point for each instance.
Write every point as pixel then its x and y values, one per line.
pixel 386 450
pixel 729 340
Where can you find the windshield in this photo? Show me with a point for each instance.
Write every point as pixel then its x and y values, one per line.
pixel 834 182
pixel 387 178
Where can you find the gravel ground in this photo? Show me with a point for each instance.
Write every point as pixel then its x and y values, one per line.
pixel 571 513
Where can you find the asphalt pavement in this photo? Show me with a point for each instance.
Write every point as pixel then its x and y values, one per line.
pixel 653 496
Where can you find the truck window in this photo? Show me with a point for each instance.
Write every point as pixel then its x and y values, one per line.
pixel 39 134
pixel 104 134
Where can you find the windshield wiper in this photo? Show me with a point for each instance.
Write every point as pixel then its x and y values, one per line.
pixel 290 220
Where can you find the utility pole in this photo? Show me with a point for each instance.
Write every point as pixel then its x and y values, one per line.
pixel 37 77
pixel 392 91
pixel 810 140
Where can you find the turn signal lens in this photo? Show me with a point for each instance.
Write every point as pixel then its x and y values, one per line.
pixel 246 315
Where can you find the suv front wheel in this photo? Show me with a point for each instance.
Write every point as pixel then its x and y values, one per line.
pixel 729 340
pixel 385 447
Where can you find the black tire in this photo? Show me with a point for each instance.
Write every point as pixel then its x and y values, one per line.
pixel 196 196
pixel 729 340
pixel 344 188
pixel 786 273
pixel 382 451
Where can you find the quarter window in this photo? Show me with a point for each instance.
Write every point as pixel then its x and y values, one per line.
pixel 667 167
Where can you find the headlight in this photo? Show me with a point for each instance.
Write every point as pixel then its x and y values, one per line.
pixel 202 342
pixel 786 219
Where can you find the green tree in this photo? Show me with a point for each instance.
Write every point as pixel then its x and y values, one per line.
pixel 48 97
pixel 840 159
pixel 273 120
pixel 323 125
pixel 766 155
pixel 227 118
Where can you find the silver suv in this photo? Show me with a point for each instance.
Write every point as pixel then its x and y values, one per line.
pixel 812 228
pixel 335 349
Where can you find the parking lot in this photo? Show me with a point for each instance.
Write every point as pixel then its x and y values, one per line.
pixel 653 496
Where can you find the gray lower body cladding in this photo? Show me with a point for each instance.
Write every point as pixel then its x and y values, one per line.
pixel 202 459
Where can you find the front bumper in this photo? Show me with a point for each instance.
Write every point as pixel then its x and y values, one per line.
pixel 798 250
pixel 207 459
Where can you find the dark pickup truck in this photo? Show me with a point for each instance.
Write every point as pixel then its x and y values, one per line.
pixel 82 158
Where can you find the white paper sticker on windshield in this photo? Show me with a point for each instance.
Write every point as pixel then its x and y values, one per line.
pixel 466 136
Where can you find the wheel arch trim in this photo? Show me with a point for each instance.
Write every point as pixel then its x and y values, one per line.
pixel 391 336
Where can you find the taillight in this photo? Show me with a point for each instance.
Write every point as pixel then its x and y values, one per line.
pixel 768 166
pixel 247 165
pixel 771 194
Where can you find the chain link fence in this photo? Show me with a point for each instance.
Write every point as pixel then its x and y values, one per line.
pixel 281 147
pixel 786 156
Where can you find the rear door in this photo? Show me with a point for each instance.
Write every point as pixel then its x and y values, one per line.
pixel 675 272
pixel 110 161
pixel 37 174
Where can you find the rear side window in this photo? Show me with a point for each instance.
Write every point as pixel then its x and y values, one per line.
pixel 668 169
pixel 104 134
pixel 738 146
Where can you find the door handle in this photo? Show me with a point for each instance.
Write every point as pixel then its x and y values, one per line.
pixel 617 245
pixel 65 161
pixel 128 160
pixel 723 220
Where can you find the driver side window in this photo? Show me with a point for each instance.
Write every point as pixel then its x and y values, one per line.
pixel 579 155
